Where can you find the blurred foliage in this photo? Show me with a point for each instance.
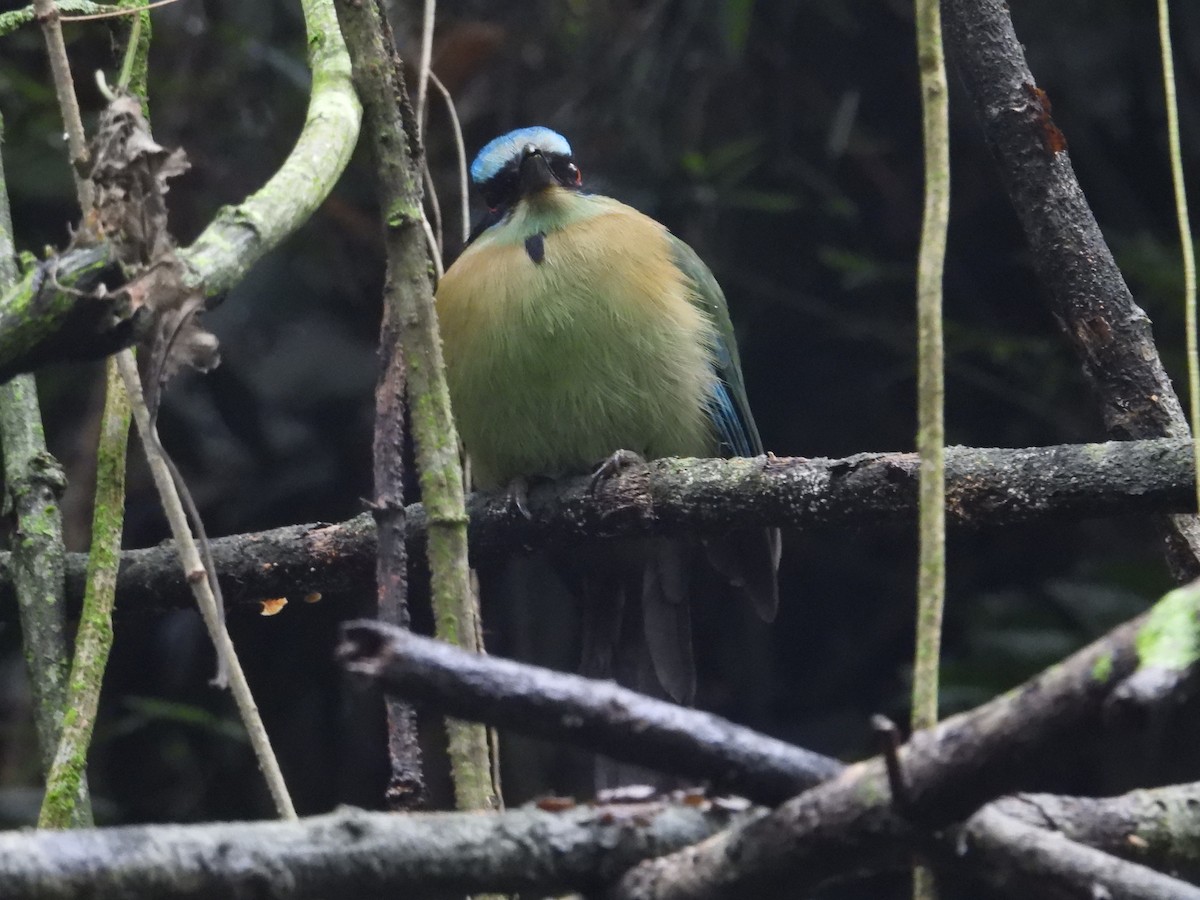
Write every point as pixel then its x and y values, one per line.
pixel 781 139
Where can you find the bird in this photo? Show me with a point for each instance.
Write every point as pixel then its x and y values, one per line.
pixel 579 333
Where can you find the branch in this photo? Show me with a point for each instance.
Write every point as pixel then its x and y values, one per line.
pixel 241 235
pixel 354 853
pixel 1109 332
pixel 66 801
pixel 11 21
pixel 1159 828
pixel 33 485
pixel 862 820
pixel 379 79
pixel 596 715
pixel 58 311
pixel 984 488
pixel 40 323
pixel 1016 858
pixel 931 381
pixel 229 670
pixel 410 318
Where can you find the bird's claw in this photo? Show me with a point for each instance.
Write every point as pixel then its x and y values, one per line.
pixel 614 465
pixel 518 495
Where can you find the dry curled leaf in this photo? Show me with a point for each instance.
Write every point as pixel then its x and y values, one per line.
pixel 130 175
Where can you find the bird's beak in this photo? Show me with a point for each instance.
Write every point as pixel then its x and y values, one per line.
pixel 535 172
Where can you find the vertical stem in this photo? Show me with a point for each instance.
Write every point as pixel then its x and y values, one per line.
pixel 428 18
pixel 64 784
pixel 34 482
pixel 409 299
pixel 1185 231
pixel 931 579
pixel 406 785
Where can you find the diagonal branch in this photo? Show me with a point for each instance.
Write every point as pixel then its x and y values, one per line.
pixel 856 822
pixel 1109 332
pixel 596 715
pixel 1019 859
pixel 1158 827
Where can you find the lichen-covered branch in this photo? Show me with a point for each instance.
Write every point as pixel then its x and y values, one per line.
pixel 351 853
pixel 33 483
pixel 11 21
pixel 66 788
pixel 1109 332
pixel 1159 827
pixel 986 488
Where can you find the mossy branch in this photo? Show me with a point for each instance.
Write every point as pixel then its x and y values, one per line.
pixel 34 482
pixel 240 235
pixel 409 313
pixel 11 21
pixel 65 786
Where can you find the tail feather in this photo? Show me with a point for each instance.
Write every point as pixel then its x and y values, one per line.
pixel 667 619
pixel 749 560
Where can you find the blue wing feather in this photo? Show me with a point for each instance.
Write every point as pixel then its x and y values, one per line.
pixel 734 436
pixel 727 407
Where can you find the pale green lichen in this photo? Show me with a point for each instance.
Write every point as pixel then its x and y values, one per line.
pixel 1102 669
pixel 1170 639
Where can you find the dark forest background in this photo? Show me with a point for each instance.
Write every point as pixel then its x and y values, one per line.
pixel 782 140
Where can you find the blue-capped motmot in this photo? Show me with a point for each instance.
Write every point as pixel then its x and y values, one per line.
pixel 575 326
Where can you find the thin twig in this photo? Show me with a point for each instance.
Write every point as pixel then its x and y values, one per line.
pixel 460 153
pixel 931 430
pixel 435 210
pixel 1185 228
pixel 189 558
pixel 60 67
pixel 428 18
pixel 117 13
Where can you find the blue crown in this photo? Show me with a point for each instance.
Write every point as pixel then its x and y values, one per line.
pixel 493 157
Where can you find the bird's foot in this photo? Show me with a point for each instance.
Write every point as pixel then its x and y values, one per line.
pixel 613 465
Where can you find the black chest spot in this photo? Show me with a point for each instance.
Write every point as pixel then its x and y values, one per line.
pixel 535 246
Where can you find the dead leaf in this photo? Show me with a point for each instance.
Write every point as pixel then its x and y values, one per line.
pixel 130 174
